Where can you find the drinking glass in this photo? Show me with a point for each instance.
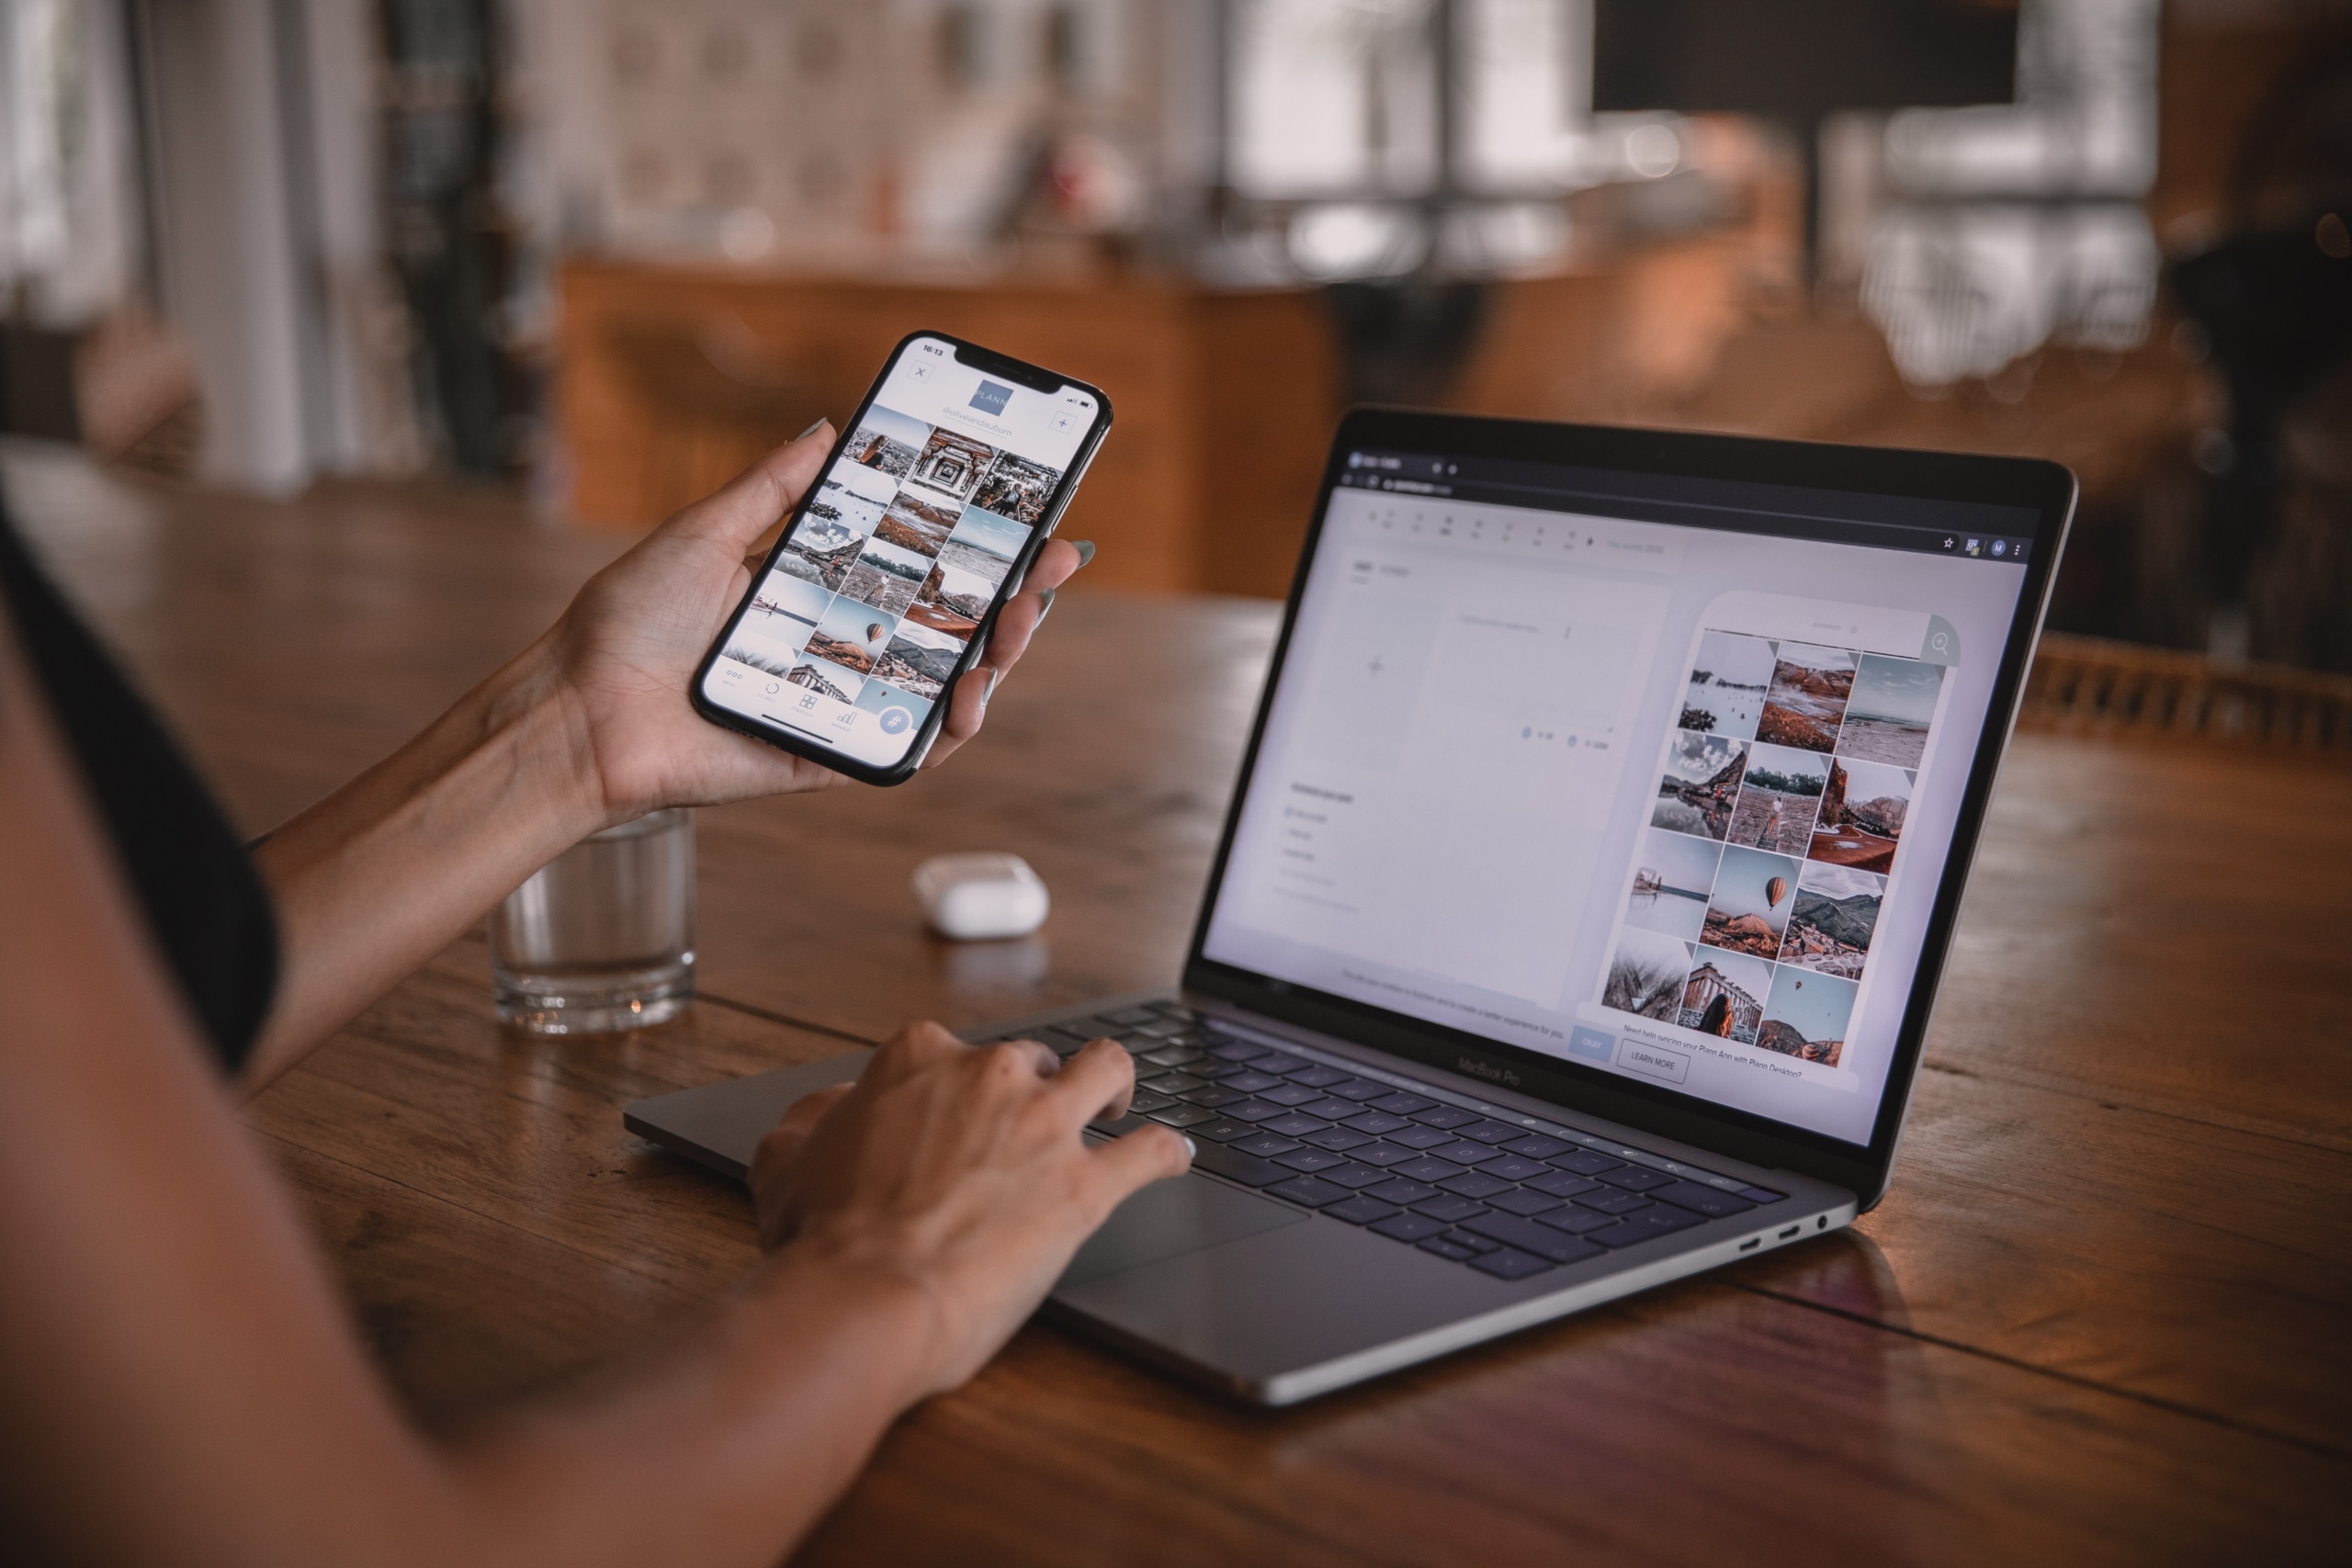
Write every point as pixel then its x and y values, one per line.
pixel 601 937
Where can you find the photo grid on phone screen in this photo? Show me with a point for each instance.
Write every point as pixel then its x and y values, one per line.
pixel 891 569
pixel 1759 877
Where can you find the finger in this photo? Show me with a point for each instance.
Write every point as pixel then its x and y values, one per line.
pixel 1040 1054
pixel 1097 1083
pixel 754 500
pixel 780 1149
pixel 910 1050
pixel 1054 565
pixel 1143 1156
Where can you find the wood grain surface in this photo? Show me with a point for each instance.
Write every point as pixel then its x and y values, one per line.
pixel 2103 1316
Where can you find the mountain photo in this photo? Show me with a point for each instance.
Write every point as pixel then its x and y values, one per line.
pixel 1834 919
pixel 1699 783
pixel 1807 699
pixel 1808 1015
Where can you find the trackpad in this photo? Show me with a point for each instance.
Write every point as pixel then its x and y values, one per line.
pixel 1169 1219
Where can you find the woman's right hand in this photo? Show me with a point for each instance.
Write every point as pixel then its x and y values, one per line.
pixel 960 1171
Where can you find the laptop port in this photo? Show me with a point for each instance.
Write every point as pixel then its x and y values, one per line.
pixel 1790 1232
pixel 1751 1244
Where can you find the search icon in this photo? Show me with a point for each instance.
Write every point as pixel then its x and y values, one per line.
pixel 1941 643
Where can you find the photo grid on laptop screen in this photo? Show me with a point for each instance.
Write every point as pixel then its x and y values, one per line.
pixel 1670 799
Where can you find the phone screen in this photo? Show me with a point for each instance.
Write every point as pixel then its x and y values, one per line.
pixel 872 599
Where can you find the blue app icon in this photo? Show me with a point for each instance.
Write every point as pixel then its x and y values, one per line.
pixel 895 720
pixel 991 398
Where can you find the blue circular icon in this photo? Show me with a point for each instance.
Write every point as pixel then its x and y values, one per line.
pixel 895 719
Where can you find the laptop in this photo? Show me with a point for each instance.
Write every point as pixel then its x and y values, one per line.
pixel 1579 908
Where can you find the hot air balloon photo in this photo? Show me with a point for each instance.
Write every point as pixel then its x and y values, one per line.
pixel 1749 910
pixel 1775 890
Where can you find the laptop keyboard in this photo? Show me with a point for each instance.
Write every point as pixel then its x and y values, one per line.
pixel 1503 1199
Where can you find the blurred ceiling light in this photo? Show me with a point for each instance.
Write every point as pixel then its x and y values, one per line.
pixel 1653 150
pixel 1355 240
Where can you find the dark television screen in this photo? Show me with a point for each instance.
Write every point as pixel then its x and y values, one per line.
pixel 1801 59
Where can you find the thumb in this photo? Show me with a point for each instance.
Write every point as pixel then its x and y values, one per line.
pixel 760 495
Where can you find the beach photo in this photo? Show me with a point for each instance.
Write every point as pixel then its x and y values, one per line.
pixel 1724 995
pixel 852 635
pixel 918 522
pixel 1017 488
pixel 1835 916
pixel 1728 679
pixel 1862 808
pixel 824 568
pixel 1645 974
pixel 775 626
pixel 990 534
pixel 826 679
pixel 1777 798
pixel 1672 877
pixel 920 659
pixel 1699 783
pixel 950 464
pixel 1807 698
pixel 1887 717
pixel 901 712
pixel 1806 1016
pixel 1749 910
pixel 847 482
pixel 961 585
pixel 888 441
pixel 885 576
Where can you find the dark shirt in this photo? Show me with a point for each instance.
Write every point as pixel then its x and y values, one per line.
pixel 207 911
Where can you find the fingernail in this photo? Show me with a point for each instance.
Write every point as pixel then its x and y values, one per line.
pixel 1192 1149
pixel 1046 602
pixel 1085 548
pixel 810 431
pixel 990 690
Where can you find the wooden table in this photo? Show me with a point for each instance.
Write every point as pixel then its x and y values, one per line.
pixel 2106 1315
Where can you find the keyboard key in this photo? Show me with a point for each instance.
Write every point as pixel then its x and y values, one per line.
pixel 1575 1221
pixel 1209 1067
pixel 1213 1096
pixel 1529 1236
pixel 1561 1184
pixel 1278 1062
pixel 1400 1103
pixel 1420 1137
pixel 1471 1239
pixel 1409 1228
pixel 1519 1200
pixel 1181 1115
pixel 1402 1192
pixel 1307 1191
pixel 1377 1122
pixel 1451 1251
pixel 1462 1153
pixel 1506 1263
pixel 1328 1109
pixel 1489 1131
pixel 1249 1081
pixel 1449 1208
pixel 1171 1056
pixel 1336 1138
pixel 1224 1130
pixel 1146 1100
pixel 1475 1184
pixel 1700 1199
pixel 1133 1016
pixel 1633 1178
pixel 1656 1221
pixel 1266 1146
pixel 1356 1175
pixel 1254 1110
pixel 1235 1051
pixel 1220 1159
pixel 1173 1009
pixel 1584 1162
pixel 1062 1042
pixel 1162 1027
pixel 1173 1082
pixel 1362 1211
pixel 1517 1167
pixel 1294 1126
pixel 1358 1089
pixel 1761 1195
pixel 1385 1154
pixel 1535 1145
pixel 1311 1159
pixel 1318 1077
pixel 1290 1094
pixel 1445 1117
pixel 1610 1202
pixel 1427 1169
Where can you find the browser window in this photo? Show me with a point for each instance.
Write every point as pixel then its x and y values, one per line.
pixel 1651 774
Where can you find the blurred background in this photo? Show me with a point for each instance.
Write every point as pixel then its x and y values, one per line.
pixel 600 253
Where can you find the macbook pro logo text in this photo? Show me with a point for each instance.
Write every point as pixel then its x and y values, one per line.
pixel 991 398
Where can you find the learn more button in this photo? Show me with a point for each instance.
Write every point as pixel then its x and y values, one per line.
pixel 1659 1063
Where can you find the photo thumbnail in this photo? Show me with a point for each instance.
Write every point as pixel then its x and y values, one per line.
pixel 956 597
pixel 1017 488
pixel 1701 782
pixel 990 534
pixel 1645 974
pixel 1836 914
pixel 951 464
pixel 1728 679
pixel 1749 910
pixel 917 521
pixel 1724 996
pixel 1778 798
pixel 846 480
pixel 886 577
pixel 1808 1015
pixel 897 712
pixel 827 679
pixel 776 625
pixel 1887 717
pixel 1671 882
pixel 920 659
pixel 1862 808
pixel 888 440
pixel 851 635
pixel 1807 698
pixel 826 568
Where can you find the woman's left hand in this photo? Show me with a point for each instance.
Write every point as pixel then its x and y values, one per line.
pixel 627 649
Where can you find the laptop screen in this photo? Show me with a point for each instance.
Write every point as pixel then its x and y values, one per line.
pixel 1650 774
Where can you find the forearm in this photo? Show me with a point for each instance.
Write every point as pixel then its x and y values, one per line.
pixel 379 876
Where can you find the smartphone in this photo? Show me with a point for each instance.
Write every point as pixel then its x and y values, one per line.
pixel 883 588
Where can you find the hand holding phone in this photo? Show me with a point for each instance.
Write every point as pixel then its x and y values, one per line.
pixel 881 593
